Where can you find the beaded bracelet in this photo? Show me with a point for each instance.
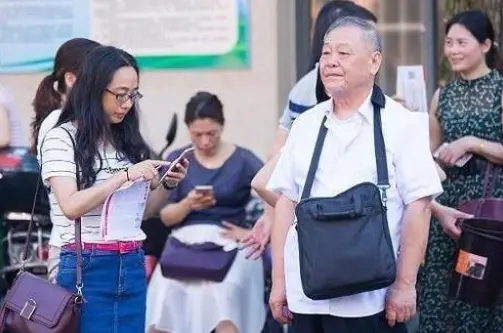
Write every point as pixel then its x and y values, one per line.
pixel 168 187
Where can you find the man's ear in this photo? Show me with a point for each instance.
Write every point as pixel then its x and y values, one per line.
pixel 376 61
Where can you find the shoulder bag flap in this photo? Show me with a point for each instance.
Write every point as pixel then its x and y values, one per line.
pixel 42 303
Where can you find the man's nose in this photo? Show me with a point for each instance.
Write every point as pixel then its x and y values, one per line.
pixel 333 61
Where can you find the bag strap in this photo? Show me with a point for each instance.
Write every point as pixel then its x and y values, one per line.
pixel 26 247
pixel 78 221
pixel 306 192
pixel 3 315
pixel 378 101
pixel 491 179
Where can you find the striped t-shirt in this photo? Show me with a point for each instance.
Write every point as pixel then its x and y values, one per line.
pixel 16 134
pixel 302 97
pixel 57 158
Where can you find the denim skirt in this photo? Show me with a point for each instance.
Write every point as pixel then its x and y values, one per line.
pixel 114 289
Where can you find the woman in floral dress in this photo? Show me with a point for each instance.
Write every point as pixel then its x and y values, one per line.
pixel 467 114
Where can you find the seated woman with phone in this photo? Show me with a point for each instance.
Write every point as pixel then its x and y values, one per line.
pixel 209 206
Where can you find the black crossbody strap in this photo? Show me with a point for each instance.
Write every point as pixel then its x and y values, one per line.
pixel 378 101
pixel 380 150
pixel 322 133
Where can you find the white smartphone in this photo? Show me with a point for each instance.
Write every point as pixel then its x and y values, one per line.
pixel 172 166
pixel 463 160
pixel 459 163
pixel 205 190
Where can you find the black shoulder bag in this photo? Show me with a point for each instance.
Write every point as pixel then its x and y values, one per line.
pixel 345 246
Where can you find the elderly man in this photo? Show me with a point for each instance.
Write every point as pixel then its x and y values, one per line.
pixel 351 123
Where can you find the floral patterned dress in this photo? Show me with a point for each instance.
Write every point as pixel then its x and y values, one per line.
pixel 465 108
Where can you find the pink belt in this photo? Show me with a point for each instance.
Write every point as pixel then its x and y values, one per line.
pixel 122 247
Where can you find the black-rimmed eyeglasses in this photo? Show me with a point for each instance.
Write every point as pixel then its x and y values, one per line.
pixel 123 97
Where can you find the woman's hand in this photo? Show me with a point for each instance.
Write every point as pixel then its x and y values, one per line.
pixel 452 152
pixel 145 169
pixel 176 174
pixel 257 240
pixel 448 218
pixel 234 232
pixel 199 201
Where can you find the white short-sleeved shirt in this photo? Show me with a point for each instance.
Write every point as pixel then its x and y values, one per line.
pixel 348 159
pixel 57 158
pixel 49 122
pixel 302 97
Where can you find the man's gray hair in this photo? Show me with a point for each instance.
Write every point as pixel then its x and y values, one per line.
pixel 368 29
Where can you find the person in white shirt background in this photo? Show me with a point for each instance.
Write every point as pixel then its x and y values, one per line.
pixel 53 89
pixel 350 60
pixel 49 99
pixel 101 116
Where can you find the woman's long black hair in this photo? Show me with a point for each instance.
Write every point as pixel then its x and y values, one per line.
pixel 85 108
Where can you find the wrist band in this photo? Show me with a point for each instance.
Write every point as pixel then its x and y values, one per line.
pixel 127 174
pixel 167 187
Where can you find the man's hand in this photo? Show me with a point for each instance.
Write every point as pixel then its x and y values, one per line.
pixel 283 217
pixel 278 304
pixel 400 304
pixel 401 297
pixel 257 240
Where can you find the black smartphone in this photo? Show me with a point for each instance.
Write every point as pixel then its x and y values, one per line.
pixel 172 166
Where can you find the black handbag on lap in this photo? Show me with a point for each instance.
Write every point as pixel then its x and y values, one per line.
pixel 345 246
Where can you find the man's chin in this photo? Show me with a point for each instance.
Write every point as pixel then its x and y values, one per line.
pixel 336 88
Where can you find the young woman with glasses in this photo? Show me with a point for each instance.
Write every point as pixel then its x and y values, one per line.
pixel 51 94
pixel 101 114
